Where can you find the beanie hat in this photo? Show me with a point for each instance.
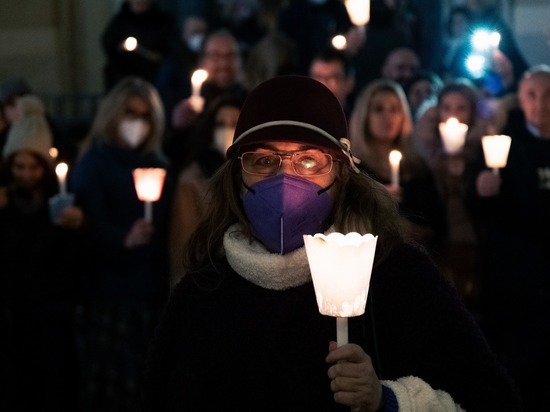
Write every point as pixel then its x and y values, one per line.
pixel 31 131
pixel 295 109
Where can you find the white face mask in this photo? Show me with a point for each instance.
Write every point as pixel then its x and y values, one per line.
pixel 223 137
pixel 195 42
pixel 133 131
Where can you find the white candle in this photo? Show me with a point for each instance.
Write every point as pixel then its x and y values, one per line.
pixel 453 135
pixel 341 331
pixel 341 268
pixel 148 215
pixel 495 151
pixel 395 159
pixel 197 79
pixel 61 171
pixel 148 183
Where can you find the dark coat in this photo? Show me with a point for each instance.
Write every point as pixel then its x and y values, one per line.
pixel 239 346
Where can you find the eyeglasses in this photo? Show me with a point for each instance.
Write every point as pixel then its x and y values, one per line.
pixel 303 163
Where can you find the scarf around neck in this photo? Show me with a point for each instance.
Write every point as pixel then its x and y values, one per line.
pixel 253 262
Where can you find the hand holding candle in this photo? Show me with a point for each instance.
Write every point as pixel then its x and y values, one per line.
pixel 148 183
pixel 395 160
pixel 453 135
pixel 495 151
pixel 197 79
pixel 341 267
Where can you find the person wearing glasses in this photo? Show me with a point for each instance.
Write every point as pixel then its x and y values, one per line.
pixel 242 329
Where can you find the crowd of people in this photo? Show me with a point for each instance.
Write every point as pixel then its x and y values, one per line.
pixel 110 306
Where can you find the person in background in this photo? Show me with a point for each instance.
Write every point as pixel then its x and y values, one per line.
pixel 312 24
pixel 381 122
pixel 485 13
pixel 511 209
pixel 422 91
pixel 401 65
pixel 172 80
pixel 44 260
pixel 386 31
pixel 130 280
pixel 11 91
pixel 212 136
pixel 458 99
pixel 153 29
pixel 335 70
pixel 456 43
pixel 245 314
pixel 275 54
pixel 221 58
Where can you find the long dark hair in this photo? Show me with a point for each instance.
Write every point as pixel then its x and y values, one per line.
pixel 361 205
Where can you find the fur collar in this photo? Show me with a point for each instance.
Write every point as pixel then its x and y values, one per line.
pixel 252 261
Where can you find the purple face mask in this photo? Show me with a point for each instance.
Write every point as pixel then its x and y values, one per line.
pixel 282 208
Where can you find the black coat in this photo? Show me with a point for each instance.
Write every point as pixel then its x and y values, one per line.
pixel 242 347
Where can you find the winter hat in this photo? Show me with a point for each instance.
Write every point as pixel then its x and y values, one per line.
pixel 295 109
pixel 31 130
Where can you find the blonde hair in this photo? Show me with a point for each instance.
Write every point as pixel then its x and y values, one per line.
pixel 361 137
pixel 112 109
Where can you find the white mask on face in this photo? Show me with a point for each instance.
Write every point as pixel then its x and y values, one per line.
pixel 223 137
pixel 133 131
pixel 194 42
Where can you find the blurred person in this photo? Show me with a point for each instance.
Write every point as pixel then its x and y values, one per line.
pixel 335 70
pixel 155 32
pixel 511 209
pixel 211 138
pixel 385 32
pixel 130 280
pixel 381 122
pixel 222 60
pixel 11 90
pixel 456 39
pixel 458 99
pixel 485 14
pixel 243 19
pixel 312 24
pixel 401 65
pixel 44 260
pixel 422 91
pixel 172 80
pixel 245 314
pixel 275 54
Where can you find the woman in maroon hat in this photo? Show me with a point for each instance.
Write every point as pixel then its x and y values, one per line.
pixel 242 330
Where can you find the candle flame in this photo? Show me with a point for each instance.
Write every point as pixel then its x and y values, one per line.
pixel 395 157
pixel 61 170
pixel 198 77
pixel 358 11
pixel 130 43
